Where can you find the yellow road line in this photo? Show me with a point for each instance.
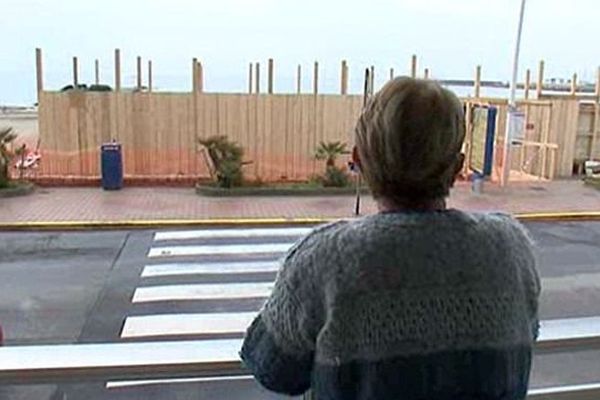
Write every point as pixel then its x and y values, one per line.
pixel 166 223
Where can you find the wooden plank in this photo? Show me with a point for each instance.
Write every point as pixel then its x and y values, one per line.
pixel 270 77
pixel 296 133
pixel 527 83
pixel 564 131
pixel 257 80
pixel 316 78
pixel 150 76
pixel 117 70
pixel 75 72
pixel 477 87
pixel 540 80
pixel 344 78
pixel 200 79
pixel 139 73
pixel 194 75
pixel 250 78
pixel 39 71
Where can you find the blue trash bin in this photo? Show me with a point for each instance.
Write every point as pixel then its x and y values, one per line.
pixel 111 161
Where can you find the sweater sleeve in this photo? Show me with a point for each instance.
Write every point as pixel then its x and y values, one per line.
pixel 279 344
pixel 523 248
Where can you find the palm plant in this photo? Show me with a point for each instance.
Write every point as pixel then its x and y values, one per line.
pixel 330 151
pixel 7 136
pixel 334 176
pixel 226 159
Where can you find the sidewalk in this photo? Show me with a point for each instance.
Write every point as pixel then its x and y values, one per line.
pixel 49 205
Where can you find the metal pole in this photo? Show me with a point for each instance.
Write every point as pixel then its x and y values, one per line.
pixel 512 102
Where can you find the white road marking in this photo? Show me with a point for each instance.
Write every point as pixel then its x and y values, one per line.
pixel 229 249
pixel 569 328
pixel 204 291
pixel 186 324
pixel 175 269
pixel 231 233
pixel 125 384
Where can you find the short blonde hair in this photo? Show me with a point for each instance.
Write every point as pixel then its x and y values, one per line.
pixel 409 138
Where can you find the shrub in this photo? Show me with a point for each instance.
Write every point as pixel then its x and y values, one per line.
pixel 226 159
pixel 99 88
pixel 81 86
pixel 7 136
pixel 335 177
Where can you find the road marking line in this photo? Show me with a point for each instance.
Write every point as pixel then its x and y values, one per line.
pixel 186 324
pixel 204 291
pixel 174 269
pixel 125 384
pixel 229 249
pixel 231 233
pixel 565 328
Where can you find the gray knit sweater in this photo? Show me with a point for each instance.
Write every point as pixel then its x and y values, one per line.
pixel 414 305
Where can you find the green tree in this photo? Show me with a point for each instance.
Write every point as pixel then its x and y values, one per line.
pixel 7 136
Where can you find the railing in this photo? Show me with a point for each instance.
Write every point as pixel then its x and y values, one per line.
pixel 212 358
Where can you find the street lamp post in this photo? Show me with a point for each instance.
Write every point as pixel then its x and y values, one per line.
pixel 512 106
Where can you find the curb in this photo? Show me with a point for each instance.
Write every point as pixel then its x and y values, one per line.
pixel 231 222
pixel 559 216
pixel 161 223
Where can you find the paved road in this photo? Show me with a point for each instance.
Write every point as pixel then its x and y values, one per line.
pixel 116 286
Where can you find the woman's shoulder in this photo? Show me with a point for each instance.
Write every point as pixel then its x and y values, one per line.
pixel 501 223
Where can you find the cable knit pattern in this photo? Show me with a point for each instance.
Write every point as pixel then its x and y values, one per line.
pixel 402 289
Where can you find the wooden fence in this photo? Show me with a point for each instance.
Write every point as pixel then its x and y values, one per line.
pixel 279 132
pixel 159 131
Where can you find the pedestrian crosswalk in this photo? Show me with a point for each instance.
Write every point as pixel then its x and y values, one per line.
pixel 202 291
pixel 224 273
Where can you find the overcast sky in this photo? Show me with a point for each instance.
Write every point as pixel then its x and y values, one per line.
pixel 450 37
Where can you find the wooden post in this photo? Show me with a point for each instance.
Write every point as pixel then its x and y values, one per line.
pixel 391 73
pixel 372 76
pixel 413 66
pixel 194 75
pixel 478 81
pixel 344 78
pixel 574 85
pixel 527 83
pixel 139 73
pixel 149 75
pixel 316 78
pixel 200 79
pixel 39 71
pixel 426 73
pixel 257 80
pixel 270 77
pixel 596 129
pixel 75 72
pixel 97 71
pixel 117 70
pixel 597 91
pixel 250 78
pixel 299 79
pixel 540 80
